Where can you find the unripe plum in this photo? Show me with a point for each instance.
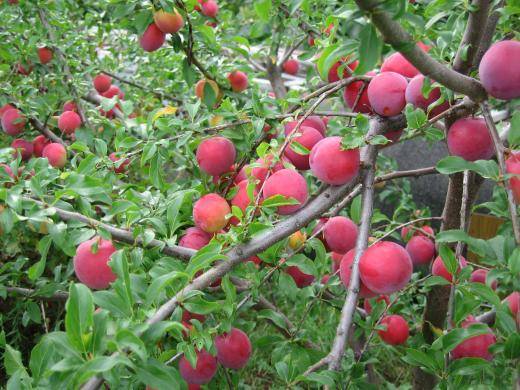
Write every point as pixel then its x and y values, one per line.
pixel 350 94
pixel 120 163
pixel 513 168
pixel 210 8
pixel 68 122
pixel 45 55
pixel 199 88
pixel 439 269
pixel 397 330
pixel 204 370
pixel 385 267
pixel 421 250
pixel 291 66
pixel 39 143
pixel 56 154
pixel 290 184
pixel 167 22
pixel 13 122
pixel 499 72
pixel 469 139
pixel 300 278
pixel 238 81
pixel 476 346
pixel 340 234
pixel 91 263
pixel 102 82
pixel 345 270
pixel 386 93
pixel 415 96
pixel 480 275
pixel 296 240
pixel 308 138
pixel 23 147
pixel 152 39
pixel 311 121
pixel 333 165
pixel 241 199
pixel 215 155
pixel 233 349
pixel 195 238
pixel 210 213
pixel 368 306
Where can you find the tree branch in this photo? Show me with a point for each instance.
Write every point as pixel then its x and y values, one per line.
pixel 473 34
pixel 487 36
pixel 499 150
pixel 395 35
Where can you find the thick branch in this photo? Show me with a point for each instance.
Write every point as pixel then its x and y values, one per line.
pixel 395 35
pixel 470 43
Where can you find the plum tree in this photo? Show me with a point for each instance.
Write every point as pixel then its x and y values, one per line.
pixel 210 213
pixel 152 39
pixel 386 93
pixel 22 147
pixel 333 165
pixel 45 55
pixel 291 66
pixel 340 233
pixel 204 370
pixel 215 155
pixel 91 263
pixel 381 298
pixel 69 122
pixel 385 267
pixel 396 330
pixel 350 96
pixel 13 122
pixel 415 96
pixel 439 269
pixel 513 168
pixel 301 279
pixel 289 184
pixel 233 349
pixel 345 270
pixel 195 238
pixel 102 83
pixel 168 22
pixel 238 81
pixel 421 250
pixel 499 78
pixel 56 154
pixel 308 138
pixel 476 346
pixel 480 276
pixel 481 145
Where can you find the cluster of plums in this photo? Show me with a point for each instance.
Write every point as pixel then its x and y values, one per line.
pixel 170 23
pixel 13 122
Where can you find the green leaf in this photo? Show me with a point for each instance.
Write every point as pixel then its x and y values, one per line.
pixel 79 317
pixel 415 117
pixel 204 258
pixel 12 360
pixel 299 148
pixel 126 339
pixel 355 209
pixel 450 340
pixel 159 283
pixel 36 270
pixel 159 376
pixel 420 359
pixel 273 316
pixel 279 200
pixel 43 356
pixel 263 8
pixel 468 366
pixel 453 164
pixel 325 378
pixel 449 260
pixel 513 136
pixel 512 346
pixel 485 292
pixel 369 49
